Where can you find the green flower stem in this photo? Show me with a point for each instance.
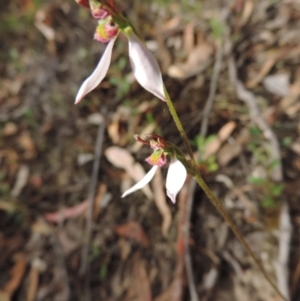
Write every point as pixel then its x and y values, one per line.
pixel 197 176
pixel 180 129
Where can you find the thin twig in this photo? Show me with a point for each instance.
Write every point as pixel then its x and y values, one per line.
pixel 187 253
pixel 285 233
pixel 84 268
pixel 212 90
pixel 248 97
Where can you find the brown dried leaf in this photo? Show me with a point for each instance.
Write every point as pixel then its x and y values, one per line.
pixel 27 143
pixel 68 244
pixel 125 248
pixel 12 159
pixel 293 110
pixel 165 57
pixel 17 273
pixel 37 266
pixel 133 231
pixel 142 283
pixel 197 61
pixel 161 203
pixel 121 158
pixel 98 200
pixel 21 180
pixel 43 25
pixel 270 60
pixel 26 5
pixel 113 131
pixel 116 131
pixel 293 94
pixel 170 26
pixel 188 37
pixel 214 145
pixel 9 129
pixel 41 227
pixel 247 11
pixel 231 151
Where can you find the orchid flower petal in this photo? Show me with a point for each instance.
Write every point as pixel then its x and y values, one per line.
pixel 143 182
pixel 99 73
pixel 175 179
pixel 145 67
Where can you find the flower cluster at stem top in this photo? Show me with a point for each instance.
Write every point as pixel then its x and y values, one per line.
pixel 144 66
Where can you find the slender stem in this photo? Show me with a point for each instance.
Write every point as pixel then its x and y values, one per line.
pixel 180 128
pixel 211 196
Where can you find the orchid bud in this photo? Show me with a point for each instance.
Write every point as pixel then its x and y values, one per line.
pixel 84 3
pixel 154 141
pixel 98 10
pixel 106 30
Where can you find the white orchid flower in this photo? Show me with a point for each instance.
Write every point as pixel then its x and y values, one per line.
pixel 144 65
pixel 175 179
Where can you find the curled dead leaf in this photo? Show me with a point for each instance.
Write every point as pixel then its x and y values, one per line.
pixel 134 231
pixel 161 203
pixel 67 213
pixel 197 61
pixel 214 145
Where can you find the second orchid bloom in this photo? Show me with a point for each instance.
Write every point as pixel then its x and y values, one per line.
pixel 176 173
pixel 144 66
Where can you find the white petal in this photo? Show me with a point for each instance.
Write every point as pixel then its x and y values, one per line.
pixel 145 67
pixel 143 182
pixel 99 73
pixel 175 179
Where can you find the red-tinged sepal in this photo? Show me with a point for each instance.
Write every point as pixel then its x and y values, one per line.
pixel 84 3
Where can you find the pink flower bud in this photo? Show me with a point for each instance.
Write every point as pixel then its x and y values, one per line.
pixel 100 13
pixel 98 10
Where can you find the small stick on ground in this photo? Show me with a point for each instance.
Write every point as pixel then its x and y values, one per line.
pixel 212 90
pixel 187 253
pixel 249 99
pixel 84 268
pixel 192 186
pixel 285 233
